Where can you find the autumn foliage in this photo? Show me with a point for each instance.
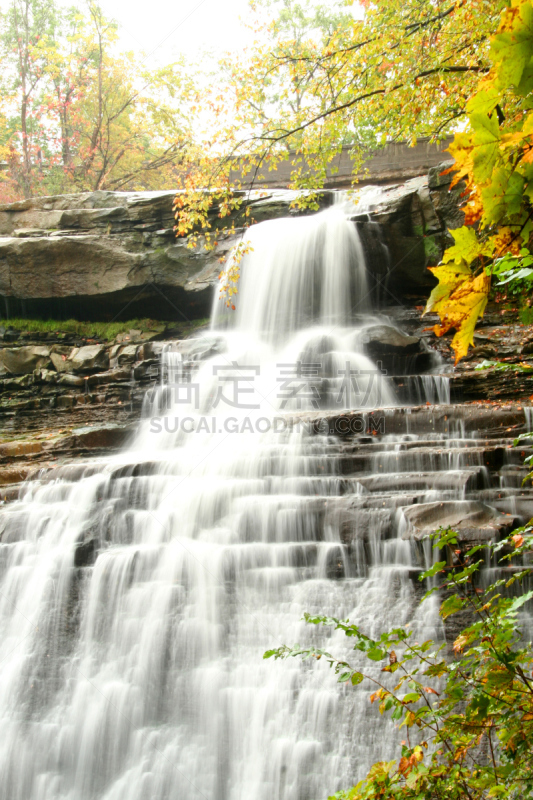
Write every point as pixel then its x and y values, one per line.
pixel 77 113
pixel 494 157
pixel 317 79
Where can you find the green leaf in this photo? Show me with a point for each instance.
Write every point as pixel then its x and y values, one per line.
pixel 437 567
pixel 436 670
pixel 443 537
pixel 376 654
pixel 512 51
pixel 451 605
pixel 520 601
pixel 484 101
pixel 486 146
pixel 466 249
pixel 501 366
pixel 520 274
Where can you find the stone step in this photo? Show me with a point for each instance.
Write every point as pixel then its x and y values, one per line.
pixel 460 420
pixel 454 480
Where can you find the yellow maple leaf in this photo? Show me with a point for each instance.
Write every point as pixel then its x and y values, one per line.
pixel 473 210
pixel 449 276
pixel 527 158
pixel 506 241
pixel 466 249
pixel 459 300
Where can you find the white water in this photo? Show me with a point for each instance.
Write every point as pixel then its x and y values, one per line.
pixel 141 678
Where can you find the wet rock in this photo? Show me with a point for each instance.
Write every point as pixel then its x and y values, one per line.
pixel 9 494
pixel 85 552
pixel 59 356
pixel 386 340
pixel 23 233
pixel 481 384
pixel 90 255
pixel 335 564
pixel 23 360
pixel 45 376
pixel 453 480
pixel 88 358
pixel 148 369
pixel 100 439
pixel 356 522
pixel 439 177
pixel 114 375
pixel 13 474
pixel 473 520
pixel 66 401
pixel 71 380
pixel 483 351
pixel 15 384
pixel 12 450
pixel 127 354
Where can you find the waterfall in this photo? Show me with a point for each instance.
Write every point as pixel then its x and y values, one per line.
pixel 139 592
pixel 297 273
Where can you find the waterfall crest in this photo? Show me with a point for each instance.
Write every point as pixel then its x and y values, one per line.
pixel 299 273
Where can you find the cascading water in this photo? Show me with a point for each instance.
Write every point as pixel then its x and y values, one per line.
pixel 138 593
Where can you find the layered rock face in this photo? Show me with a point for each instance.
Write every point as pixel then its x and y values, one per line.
pixel 405 230
pixel 106 255
pixel 113 255
pixel 70 397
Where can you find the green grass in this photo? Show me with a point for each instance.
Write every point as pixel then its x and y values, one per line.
pixel 100 330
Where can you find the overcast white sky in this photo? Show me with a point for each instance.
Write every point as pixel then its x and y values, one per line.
pixel 170 27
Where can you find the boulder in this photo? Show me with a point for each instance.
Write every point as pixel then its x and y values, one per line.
pixel 473 520
pixel 59 357
pixel 439 176
pixel 90 358
pixel 127 355
pixel 86 551
pixel 23 360
pixel 45 376
pixel 385 340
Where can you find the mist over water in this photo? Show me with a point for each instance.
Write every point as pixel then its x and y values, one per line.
pixel 138 593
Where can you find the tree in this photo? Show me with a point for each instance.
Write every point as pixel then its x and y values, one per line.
pixel 405 70
pixel 297 32
pixel 100 119
pixel 121 126
pixel 24 25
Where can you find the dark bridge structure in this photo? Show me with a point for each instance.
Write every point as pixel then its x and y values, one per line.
pixel 393 163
